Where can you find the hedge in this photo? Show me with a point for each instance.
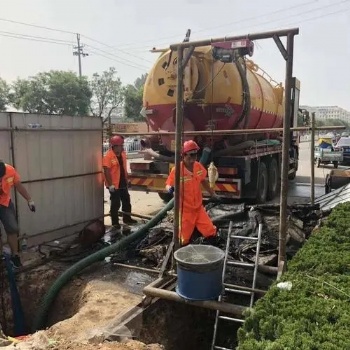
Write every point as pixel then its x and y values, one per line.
pixel 315 313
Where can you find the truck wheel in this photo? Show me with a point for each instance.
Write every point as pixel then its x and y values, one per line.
pixel 263 181
pixel 318 162
pixel 165 197
pixel 273 179
pixel 335 164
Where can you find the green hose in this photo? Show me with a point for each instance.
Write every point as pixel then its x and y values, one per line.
pixel 49 297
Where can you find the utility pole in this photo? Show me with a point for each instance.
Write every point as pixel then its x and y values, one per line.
pixel 79 52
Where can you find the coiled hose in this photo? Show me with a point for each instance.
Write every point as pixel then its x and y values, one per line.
pixel 49 297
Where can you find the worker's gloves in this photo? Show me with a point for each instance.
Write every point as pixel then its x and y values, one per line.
pixel 171 190
pixel 111 189
pixel 31 206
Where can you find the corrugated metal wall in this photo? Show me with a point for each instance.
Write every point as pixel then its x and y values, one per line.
pixel 60 164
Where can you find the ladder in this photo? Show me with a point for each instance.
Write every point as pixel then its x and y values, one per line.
pixel 230 288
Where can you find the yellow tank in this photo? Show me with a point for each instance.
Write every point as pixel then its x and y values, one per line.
pixel 218 95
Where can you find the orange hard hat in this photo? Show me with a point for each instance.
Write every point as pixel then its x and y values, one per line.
pixel 189 146
pixel 116 140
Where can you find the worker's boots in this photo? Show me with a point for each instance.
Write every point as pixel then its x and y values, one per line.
pixel 128 220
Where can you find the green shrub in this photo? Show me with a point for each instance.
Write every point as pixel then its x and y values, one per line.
pixel 315 313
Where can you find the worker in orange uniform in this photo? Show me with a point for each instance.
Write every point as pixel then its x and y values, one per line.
pixel 192 212
pixel 116 180
pixel 9 178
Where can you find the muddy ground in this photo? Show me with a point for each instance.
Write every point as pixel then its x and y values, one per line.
pixel 85 311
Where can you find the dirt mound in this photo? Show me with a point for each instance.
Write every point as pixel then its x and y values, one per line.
pixel 40 341
pixel 100 303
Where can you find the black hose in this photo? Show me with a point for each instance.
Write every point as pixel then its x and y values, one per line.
pixel 246 93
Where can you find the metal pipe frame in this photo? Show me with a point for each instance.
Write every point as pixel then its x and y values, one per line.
pixel 236 310
pixel 46 129
pixel 312 158
pixel 287 53
pixel 178 145
pixel 139 268
pixel 61 177
pixel 286 145
pixel 232 132
pixel 254 36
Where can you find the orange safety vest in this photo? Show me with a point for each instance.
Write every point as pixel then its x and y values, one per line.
pixel 10 178
pixel 111 162
pixel 190 185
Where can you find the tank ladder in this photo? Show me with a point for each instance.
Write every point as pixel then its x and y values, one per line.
pixel 229 288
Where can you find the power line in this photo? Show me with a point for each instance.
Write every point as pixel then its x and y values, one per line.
pixel 115 56
pixel 116 49
pixel 276 20
pixel 113 59
pixel 49 40
pixel 324 15
pixel 66 32
pixel 33 39
pixel 36 26
pixel 236 22
pixel 36 37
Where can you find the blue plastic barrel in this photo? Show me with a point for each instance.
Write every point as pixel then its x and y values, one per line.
pixel 199 272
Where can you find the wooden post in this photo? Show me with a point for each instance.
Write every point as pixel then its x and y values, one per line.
pixel 312 158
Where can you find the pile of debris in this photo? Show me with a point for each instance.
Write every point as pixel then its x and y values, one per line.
pixel 246 219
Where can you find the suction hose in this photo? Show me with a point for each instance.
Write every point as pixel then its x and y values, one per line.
pixel 49 297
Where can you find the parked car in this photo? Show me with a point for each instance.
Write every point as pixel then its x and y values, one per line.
pixel 344 145
pixel 325 153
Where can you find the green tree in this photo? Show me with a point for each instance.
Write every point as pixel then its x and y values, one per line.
pixel 107 93
pixel 133 95
pixel 319 122
pixel 4 94
pixel 54 92
pixel 140 81
pixel 336 122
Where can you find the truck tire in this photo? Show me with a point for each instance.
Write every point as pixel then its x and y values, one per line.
pixel 318 163
pixel 165 197
pixel 335 164
pixel 263 182
pixel 273 179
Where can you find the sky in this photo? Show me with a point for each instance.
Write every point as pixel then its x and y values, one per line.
pixel 120 33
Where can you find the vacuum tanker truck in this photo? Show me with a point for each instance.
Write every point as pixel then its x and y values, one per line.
pixel 223 90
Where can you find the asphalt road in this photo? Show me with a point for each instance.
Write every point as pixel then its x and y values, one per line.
pixel 299 189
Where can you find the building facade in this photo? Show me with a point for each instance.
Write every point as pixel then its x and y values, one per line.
pixel 328 112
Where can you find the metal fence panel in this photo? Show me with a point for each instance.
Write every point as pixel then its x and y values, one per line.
pixel 62 171
pixel 5 138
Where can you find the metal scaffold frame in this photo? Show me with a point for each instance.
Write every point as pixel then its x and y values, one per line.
pixel 182 60
pixel 287 54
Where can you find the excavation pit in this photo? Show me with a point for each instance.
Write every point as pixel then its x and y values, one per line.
pixel 90 302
